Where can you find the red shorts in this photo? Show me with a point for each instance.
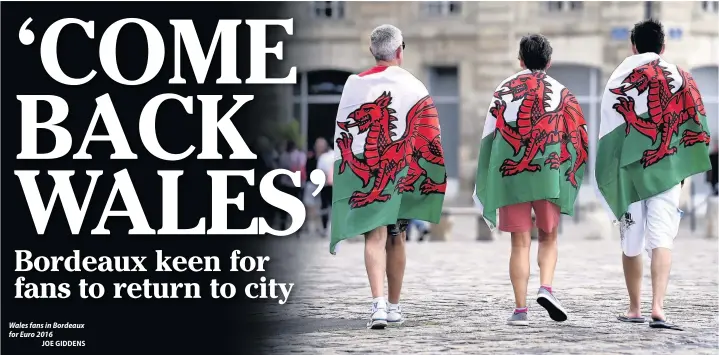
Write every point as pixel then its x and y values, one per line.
pixel 518 218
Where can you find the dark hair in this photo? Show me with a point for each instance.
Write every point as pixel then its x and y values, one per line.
pixel 535 51
pixel 648 36
pixel 291 145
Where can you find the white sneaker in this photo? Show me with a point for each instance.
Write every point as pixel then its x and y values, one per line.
pixel 394 315
pixel 378 319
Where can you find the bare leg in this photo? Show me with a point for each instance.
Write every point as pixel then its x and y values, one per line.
pixel 326 199
pixel 375 259
pixel 311 225
pixel 633 278
pixel 661 266
pixel 396 260
pixel 519 267
pixel 547 256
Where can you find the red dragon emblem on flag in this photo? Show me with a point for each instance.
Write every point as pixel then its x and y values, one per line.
pixel 537 128
pixel 385 157
pixel 667 111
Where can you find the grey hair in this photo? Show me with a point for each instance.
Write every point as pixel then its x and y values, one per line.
pixel 384 41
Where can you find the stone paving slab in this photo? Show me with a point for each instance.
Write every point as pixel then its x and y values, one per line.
pixel 457 296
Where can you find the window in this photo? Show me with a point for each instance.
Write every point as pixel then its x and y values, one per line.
pixel 562 6
pixel 326 82
pixel 443 85
pixel 316 98
pixel 328 9
pixel 710 6
pixel 442 8
pixel 444 82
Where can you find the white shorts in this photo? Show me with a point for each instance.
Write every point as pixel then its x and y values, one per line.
pixel 651 223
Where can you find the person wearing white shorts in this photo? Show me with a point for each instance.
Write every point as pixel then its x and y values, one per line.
pixel 650 225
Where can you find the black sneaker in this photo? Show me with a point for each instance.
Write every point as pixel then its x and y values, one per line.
pixel 547 300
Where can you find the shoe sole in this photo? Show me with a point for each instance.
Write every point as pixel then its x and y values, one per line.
pixel 377 324
pixel 557 314
pixel 521 323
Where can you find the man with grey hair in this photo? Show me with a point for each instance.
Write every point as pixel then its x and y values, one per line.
pixel 389 168
pixel 385 43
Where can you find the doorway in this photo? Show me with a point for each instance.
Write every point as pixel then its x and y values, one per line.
pixel 316 98
pixel 322 118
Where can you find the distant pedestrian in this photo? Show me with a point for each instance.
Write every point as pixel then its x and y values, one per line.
pixel 713 174
pixel 421 227
pixel 266 153
pixel 266 160
pixel 313 204
pixel 294 160
pixel 325 163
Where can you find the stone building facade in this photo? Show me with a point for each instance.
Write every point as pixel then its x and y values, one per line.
pixel 462 50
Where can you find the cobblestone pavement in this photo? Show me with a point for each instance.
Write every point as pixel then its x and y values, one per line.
pixel 457 296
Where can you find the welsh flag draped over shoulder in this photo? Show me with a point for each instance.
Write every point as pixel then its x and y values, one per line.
pixel 653 132
pixel 389 161
pixel 534 146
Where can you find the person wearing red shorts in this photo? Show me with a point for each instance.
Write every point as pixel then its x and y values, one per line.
pixel 532 157
pixel 517 220
pixel 535 54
